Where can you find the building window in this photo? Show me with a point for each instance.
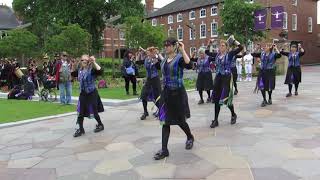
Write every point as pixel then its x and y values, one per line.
pixel 295 2
pixel 170 32
pixel 310 24
pixel 285 20
pixel 203 31
pixel 202 13
pixel 192 15
pixel 294 22
pixel 154 22
pixel 180 33
pixel 170 19
pixel 179 17
pixel 192 49
pixel 214 11
pixel 192 34
pixel 214 29
pixel 122 35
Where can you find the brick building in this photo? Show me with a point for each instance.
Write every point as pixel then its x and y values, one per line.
pixel 117 35
pixel 300 21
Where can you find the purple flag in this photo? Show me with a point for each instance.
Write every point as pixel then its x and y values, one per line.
pixel 260 19
pixel 277 17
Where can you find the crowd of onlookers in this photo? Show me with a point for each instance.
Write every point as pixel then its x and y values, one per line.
pixel 58 69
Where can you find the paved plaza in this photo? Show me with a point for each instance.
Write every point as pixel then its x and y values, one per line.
pixel 279 142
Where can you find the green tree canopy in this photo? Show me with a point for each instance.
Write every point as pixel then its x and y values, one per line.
pixel 238 19
pixel 19 43
pixel 127 8
pixel 143 34
pixel 73 39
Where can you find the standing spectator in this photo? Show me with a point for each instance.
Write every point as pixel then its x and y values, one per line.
pixel 63 79
pixel 248 61
pixel 129 72
pixel 239 68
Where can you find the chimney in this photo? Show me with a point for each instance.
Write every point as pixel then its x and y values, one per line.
pixel 149 6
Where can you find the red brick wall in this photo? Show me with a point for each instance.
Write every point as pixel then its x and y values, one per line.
pixel 107 48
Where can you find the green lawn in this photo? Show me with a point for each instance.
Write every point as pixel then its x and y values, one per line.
pixel 16 110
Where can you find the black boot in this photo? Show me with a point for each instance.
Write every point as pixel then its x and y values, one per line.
pixel 161 154
pixel 99 127
pixel 128 93
pixel 234 119
pixel 135 93
pixel 236 92
pixel 270 102
pixel 214 124
pixel 264 103
pixel 144 116
pixel 79 132
pixel 156 114
pixel 208 100
pixel 296 93
pixel 201 101
pixel 289 95
pixel 189 143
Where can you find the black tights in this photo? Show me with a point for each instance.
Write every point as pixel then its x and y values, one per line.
pixel 166 133
pixel 296 86
pixel 235 85
pixel 217 108
pixel 263 92
pixel 81 118
pixel 201 94
pixel 145 105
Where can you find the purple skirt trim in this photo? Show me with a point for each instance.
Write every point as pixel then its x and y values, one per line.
pixel 91 114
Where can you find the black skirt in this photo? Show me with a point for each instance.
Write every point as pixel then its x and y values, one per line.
pixel 234 73
pixel 223 89
pixel 204 81
pixel 174 106
pixel 89 104
pixel 151 89
pixel 267 80
pixel 293 75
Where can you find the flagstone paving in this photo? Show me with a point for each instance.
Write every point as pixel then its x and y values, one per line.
pixel 279 142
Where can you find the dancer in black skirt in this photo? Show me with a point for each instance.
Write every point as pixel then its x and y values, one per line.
pixel 152 87
pixel 204 80
pixel 223 82
pixel 266 80
pixel 294 69
pixel 174 108
pixel 89 100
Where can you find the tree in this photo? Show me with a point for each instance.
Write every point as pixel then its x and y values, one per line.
pixel 238 19
pixel 143 34
pixel 127 8
pixel 19 43
pixel 45 14
pixel 73 39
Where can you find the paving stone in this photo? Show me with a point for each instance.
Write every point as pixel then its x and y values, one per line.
pixel 272 173
pixel 93 155
pixel 57 152
pixel 231 174
pixel 157 171
pixel 113 166
pixel 47 144
pixel 196 170
pixel 38 174
pixel 24 163
pixel 15 149
pixel 28 153
pixel 298 167
pixel 75 167
pixel 56 162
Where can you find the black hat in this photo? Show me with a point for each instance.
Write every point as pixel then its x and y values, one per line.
pixel 170 41
pixel 294 43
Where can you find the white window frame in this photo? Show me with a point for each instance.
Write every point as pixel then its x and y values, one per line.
pixel 310 24
pixel 154 22
pixel 214 35
pixel 180 28
pixel 285 20
pixel 169 30
pixel 216 7
pixel 294 26
pixel 295 3
pixel 205 27
pixel 190 34
pixel 194 17
pixel 179 15
pixel 205 13
pixel 170 19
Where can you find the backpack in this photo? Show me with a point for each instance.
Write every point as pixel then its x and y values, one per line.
pixel 102 84
pixel 65 73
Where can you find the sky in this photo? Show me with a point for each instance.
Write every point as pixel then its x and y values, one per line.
pixel 157 4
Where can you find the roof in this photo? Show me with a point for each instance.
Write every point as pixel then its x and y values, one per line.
pixel 8 19
pixel 181 5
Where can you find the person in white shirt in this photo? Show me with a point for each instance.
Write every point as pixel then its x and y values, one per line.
pixel 248 61
pixel 239 68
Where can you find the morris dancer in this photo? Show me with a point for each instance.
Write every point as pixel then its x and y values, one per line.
pixel 266 80
pixel 89 99
pixel 152 88
pixel 294 69
pixel 204 80
pixel 174 109
pixel 223 83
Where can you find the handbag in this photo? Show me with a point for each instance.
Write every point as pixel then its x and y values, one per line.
pixel 130 70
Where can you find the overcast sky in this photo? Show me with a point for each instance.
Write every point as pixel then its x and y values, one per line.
pixel 157 4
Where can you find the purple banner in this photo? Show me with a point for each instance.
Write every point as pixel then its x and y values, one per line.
pixel 260 19
pixel 277 17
